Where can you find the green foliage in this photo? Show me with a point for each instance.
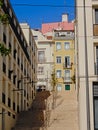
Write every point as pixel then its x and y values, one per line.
pixel 53 80
pixel 73 78
pixel 1 3
pixel 4 18
pixel 4 50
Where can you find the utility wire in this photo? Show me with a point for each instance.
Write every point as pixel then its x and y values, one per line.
pixel 61 6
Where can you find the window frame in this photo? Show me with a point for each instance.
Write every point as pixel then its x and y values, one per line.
pixel 67 61
pixel 58 73
pixel 96 14
pixel 66 45
pixel 40 70
pixel 59 87
pixel 58 60
pixel 41 55
pixel 58 44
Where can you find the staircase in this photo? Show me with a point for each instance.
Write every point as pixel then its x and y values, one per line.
pixel 33 119
pixel 65 114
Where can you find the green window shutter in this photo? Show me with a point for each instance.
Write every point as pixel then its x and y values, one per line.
pixel 67 87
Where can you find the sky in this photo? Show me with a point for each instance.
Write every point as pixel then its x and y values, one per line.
pixel 36 12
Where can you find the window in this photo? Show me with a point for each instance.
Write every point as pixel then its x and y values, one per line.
pixel 58 59
pixel 35 37
pixel 40 70
pixel 9 102
pixel 59 87
pixel 58 73
pixel 67 87
pixel 4 38
pixel 67 61
pixel 14 106
pixel 17 108
pixel 95 95
pixel 3 98
pixel 67 75
pixel 13 116
pixel 66 45
pixel 96 112
pixel 58 45
pixel 96 61
pixel 14 79
pixel 9 114
pixel 41 56
pixel 96 16
pixel 4 34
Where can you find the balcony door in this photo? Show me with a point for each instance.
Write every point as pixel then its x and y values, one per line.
pixel 41 56
pixel 67 61
pixel 67 75
pixel 96 16
pixel 96 61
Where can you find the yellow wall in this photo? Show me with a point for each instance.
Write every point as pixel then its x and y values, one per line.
pixel 64 52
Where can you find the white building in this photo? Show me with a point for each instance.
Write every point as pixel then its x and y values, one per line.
pixel 45 60
pixel 87 62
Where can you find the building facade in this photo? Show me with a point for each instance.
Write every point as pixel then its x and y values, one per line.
pixel 32 51
pixel 16 71
pixel 62 33
pixel 87 63
pixel 64 59
pixel 44 59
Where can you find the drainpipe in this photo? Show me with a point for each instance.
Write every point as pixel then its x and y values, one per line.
pixel 86 70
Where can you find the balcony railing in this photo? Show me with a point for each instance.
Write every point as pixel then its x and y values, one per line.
pixel 67 80
pixel 95 29
pixel 42 60
pixel 61 37
pixel 67 66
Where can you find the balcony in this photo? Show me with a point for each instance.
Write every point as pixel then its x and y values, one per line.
pixel 67 80
pixel 95 29
pixel 40 61
pixel 59 36
pixel 63 37
pixel 67 66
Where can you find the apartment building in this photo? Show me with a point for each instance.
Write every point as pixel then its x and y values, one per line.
pixel 44 59
pixel 32 51
pixel 87 63
pixel 16 70
pixel 64 59
pixel 62 33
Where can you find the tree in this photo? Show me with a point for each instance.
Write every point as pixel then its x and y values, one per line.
pixel 53 84
pixel 53 80
pixel 4 20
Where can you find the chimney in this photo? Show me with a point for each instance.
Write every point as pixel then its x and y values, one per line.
pixel 64 17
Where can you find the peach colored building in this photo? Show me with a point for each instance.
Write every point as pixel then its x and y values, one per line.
pixel 17 70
